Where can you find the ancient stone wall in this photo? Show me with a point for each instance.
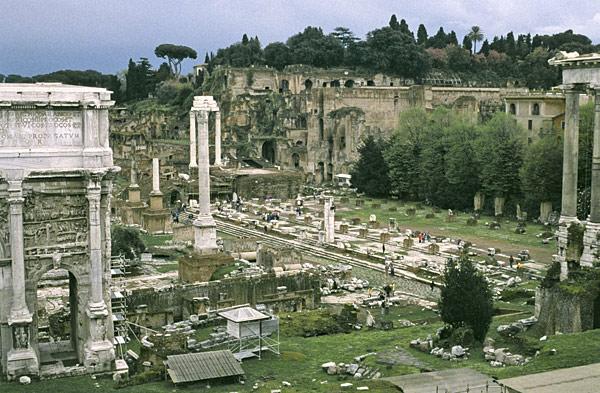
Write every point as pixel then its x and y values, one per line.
pixel 282 185
pixel 170 303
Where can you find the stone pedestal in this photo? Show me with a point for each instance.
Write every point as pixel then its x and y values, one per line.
pixel 205 235
pixel 499 206
pixel 363 233
pixel 478 201
pixel 156 219
pixel 545 211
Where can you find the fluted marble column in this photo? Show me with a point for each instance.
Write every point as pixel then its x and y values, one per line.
pixel 218 138
pixel 205 235
pixel 568 214
pixel 193 158
pixel 203 165
pixel 592 228
pixel 570 155
pixel 19 313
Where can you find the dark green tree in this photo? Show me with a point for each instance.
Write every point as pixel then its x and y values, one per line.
pixel 370 173
pixel 397 53
pixel 277 55
pixel 466 298
pixel 540 174
pixel 403 154
pixel 127 242
pixel 175 54
pixel 451 38
pixel 314 48
pixel 500 152
pixel 394 22
pixel 422 36
pixel 439 40
pixel 537 72
pixel 467 43
pixel 345 36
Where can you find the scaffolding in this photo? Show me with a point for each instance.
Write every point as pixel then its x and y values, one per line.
pixel 251 332
pixel 118 301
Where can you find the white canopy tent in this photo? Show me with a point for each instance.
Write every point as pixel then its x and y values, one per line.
pixel 252 331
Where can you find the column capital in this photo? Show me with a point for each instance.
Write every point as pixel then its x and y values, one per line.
pixel 574 88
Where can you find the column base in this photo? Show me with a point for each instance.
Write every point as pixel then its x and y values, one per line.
pixel 22 362
pixel 205 235
pixel 99 356
pixel 591 244
pixel 20 316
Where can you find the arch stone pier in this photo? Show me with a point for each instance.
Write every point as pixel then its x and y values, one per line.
pixel 56 171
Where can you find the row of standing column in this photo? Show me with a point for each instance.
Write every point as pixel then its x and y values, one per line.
pixel 570 181
pixel 193 141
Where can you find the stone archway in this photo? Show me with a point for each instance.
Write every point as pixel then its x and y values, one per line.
pixel 296 160
pixel 268 151
pixel 57 312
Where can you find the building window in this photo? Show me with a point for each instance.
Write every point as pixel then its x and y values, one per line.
pixel 535 109
pixel 530 124
pixel 512 109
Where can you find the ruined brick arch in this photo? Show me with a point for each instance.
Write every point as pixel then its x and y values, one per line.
pixel 335 83
pixel 466 104
pixel 349 83
pixel 268 150
pixel 512 109
pixel 320 172
pixel 284 86
pixel 308 84
pixel 296 160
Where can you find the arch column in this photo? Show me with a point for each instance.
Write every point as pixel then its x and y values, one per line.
pixel 592 229
pixel 21 358
pixel 99 352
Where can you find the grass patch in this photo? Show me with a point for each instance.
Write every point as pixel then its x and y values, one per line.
pixel 155 240
pixel 168 267
pixel 504 238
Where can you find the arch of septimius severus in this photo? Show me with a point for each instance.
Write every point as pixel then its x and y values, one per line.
pixel 56 172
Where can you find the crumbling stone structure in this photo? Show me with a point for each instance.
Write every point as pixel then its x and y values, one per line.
pixel 314 120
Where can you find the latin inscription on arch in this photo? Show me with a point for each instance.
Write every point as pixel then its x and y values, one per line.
pixel 40 128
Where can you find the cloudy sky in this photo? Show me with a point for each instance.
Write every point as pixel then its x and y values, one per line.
pixel 40 36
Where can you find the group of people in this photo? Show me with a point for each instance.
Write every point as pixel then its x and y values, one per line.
pixel 424 237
